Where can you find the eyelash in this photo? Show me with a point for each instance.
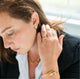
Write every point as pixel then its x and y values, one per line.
pixel 11 34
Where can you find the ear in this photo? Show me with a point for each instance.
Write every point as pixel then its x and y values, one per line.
pixel 35 19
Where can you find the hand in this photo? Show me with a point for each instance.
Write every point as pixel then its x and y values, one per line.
pixel 51 47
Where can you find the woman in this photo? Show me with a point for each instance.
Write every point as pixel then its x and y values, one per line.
pixel 33 47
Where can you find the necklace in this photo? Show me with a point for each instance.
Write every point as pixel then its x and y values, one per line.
pixel 33 62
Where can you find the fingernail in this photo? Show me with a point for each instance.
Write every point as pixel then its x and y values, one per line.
pixel 55 30
pixel 47 26
pixel 43 27
pixel 63 36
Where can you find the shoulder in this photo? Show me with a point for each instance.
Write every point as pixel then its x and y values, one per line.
pixel 71 43
pixel 71 46
pixel 11 69
pixel 69 58
pixel 70 39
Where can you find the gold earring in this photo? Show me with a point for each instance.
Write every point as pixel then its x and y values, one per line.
pixel 35 27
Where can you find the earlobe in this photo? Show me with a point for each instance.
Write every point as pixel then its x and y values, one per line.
pixel 35 27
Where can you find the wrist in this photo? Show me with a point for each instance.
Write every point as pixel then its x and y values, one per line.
pixel 47 62
pixel 49 66
pixel 51 75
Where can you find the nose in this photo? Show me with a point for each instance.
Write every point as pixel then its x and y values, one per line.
pixel 7 43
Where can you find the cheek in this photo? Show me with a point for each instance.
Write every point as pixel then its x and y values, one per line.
pixel 19 39
pixel 24 38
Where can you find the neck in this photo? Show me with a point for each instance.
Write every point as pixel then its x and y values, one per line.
pixel 33 53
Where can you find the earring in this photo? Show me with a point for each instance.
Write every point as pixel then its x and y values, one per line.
pixel 35 27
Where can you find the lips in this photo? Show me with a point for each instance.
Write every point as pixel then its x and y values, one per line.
pixel 15 49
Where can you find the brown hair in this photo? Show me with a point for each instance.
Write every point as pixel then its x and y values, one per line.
pixel 23 9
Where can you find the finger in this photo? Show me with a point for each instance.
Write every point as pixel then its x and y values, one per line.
pixel 47 27
pixel 51 32
pixel 48 30
pixel 54 33
pixel 38 38
pixel 43 31
pixel 61 40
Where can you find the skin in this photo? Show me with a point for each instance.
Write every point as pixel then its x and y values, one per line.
pixel 22 35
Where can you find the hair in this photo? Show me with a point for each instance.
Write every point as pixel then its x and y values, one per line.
pixel 23 9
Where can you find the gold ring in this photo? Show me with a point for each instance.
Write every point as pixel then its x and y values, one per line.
pixel 44 36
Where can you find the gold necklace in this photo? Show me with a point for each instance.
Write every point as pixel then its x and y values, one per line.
pixel 33 62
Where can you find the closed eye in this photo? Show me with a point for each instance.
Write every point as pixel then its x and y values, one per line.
pixel 10 34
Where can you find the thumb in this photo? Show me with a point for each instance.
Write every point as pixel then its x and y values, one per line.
pixel 61 40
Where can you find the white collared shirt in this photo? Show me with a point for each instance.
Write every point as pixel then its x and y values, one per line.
pixel 23 67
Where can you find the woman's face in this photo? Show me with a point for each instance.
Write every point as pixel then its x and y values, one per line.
pixel 16 33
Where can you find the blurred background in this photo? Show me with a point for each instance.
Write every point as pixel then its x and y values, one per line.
pixel 64 10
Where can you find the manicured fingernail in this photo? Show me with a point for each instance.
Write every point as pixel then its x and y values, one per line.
pixel 63 36
pixel 47 26
pixel 43 27
pixel 55 30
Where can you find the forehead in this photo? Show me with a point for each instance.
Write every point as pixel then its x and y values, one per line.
pixel 7 21
pixel 4 20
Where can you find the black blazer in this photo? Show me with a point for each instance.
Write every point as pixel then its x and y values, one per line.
pixel 68 61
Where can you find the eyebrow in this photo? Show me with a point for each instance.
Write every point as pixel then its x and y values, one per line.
pixel 6 29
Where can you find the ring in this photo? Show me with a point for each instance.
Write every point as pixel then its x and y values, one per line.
pixel 44 36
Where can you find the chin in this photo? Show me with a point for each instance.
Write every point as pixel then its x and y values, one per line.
pixel 22 52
